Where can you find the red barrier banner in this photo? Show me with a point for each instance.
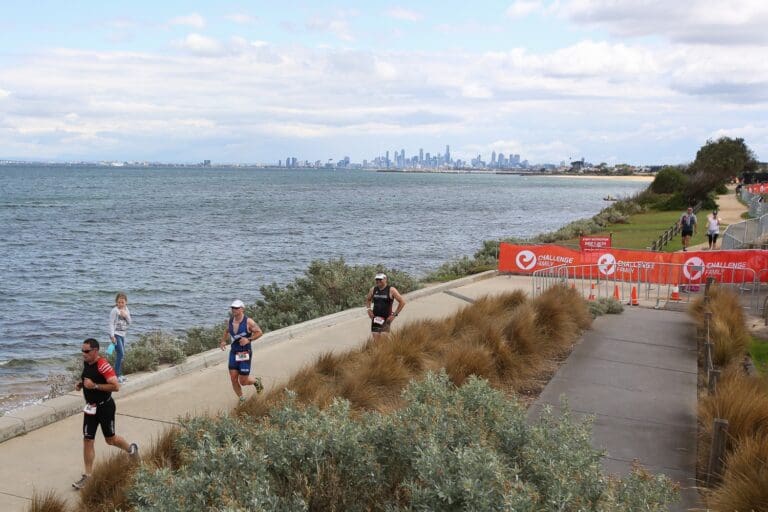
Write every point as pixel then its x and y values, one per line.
pixel 594 243
pixel 647 266
pixel 758 188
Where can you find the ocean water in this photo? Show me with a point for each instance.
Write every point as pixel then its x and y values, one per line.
pixel 182 243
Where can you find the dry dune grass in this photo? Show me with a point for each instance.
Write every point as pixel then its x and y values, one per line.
pixel 740 399
pixel 727 330
pixel 507 339
pixel 105 489
pixel 745 484
pixel 47 502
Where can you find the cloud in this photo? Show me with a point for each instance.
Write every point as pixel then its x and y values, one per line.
pixel 735 22
pixel 338 25
pixel 200 45
pixel 401 13
pixel 592 98
pixel 190 20
pixel 241 18
pixel 522 8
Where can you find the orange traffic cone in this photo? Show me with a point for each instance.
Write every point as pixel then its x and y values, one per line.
pixel 633 297
pixel 616 294
pixel 675 293
pixel 573 286
pixel 592 292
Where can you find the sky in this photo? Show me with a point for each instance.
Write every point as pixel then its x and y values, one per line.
pixel 616 81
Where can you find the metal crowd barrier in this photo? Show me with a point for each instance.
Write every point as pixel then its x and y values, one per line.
pixel 650 283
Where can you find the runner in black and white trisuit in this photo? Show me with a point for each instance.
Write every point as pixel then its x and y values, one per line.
pixel 98 381
pixel 240 332
pixel 379 304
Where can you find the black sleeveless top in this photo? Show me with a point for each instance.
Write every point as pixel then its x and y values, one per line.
pixel 382 303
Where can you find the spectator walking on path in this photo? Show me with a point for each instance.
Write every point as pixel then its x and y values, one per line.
pixel 687 224
pixel 379 302
pixel 241 331
pixel 98 381
pixel 713 229
pixel 119 320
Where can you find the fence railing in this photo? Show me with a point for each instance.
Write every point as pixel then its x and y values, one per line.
pixel 654 284
pixel 750 233
pixel 670 233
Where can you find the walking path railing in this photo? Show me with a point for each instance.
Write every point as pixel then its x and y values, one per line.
pixel 655 284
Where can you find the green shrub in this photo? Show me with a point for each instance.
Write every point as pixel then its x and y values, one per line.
pixel 669 180
pixel 151 350
pixel 460 268
pixel 466 448
pixel 200 339
pixel 326 287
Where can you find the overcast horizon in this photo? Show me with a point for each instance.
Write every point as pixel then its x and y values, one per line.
pixel 642 83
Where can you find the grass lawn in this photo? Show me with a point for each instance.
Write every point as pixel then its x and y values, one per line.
pixel 758 349
pixel 643 228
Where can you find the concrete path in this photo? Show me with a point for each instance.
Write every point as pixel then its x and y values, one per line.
pixel 649 342
pixel 636 374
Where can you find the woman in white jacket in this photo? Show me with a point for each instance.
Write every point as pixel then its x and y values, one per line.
pixel 119 320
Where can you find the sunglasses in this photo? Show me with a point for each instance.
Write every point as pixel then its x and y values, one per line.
pixel 86 351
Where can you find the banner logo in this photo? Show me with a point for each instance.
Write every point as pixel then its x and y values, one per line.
pixel 607 264
pixel 525 260
pixel 693 268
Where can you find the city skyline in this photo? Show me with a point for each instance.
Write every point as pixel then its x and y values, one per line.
pixel 616 82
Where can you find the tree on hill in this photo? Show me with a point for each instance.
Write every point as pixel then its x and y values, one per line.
pixel 717 162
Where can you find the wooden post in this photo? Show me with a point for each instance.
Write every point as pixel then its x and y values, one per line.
pixel 717 451
pixel 714 376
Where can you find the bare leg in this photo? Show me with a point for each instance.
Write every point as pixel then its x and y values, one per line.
pixel 246 380
pixel 117 441
pixel 234 378
pixel 89 454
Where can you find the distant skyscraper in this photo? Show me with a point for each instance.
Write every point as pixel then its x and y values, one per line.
pixel 447 154
pixel 421 155
pixel 493 158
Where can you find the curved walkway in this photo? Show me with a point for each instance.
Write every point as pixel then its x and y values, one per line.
pixel 641 356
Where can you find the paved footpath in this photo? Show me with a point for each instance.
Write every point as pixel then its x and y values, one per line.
pixel 635 373
pixel 51 457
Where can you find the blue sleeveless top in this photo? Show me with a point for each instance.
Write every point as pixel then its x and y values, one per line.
pixel 242 332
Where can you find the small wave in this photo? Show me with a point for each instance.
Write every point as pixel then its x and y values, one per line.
pixel 19 363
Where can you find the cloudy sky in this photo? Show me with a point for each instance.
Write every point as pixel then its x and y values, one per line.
pixel 635 81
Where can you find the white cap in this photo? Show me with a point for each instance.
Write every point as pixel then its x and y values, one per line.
pixel 237 304
pixel 381 275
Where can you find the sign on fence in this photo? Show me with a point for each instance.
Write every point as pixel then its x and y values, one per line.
pixel 594 243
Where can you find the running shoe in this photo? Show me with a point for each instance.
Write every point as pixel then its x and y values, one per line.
pixel 80 483
pixel 121 379
pixel 133 450
pixel 242 399
pixel 258 385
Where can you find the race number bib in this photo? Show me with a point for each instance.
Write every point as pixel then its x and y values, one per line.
pixel 379 320
pixel 242 356
pixel 89 409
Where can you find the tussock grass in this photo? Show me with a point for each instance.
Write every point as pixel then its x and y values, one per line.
pixel 105 489
pixel 740 399
pixel 163 453
pixel 47 502
pixel 745 483
pixel 728 331
pixel 506 339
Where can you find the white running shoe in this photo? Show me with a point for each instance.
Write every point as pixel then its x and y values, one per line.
pixel 80 483
pixel 133 450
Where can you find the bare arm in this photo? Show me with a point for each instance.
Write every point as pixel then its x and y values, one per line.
pixel 399 298
pixel 224 338
pixel 368 299
pixel 256 332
